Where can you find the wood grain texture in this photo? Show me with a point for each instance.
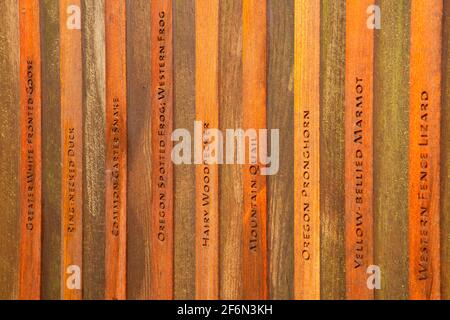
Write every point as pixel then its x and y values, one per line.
pixel 116 151
pixel 231 185
pixel 161 240
pixel 93 23
pixel 72 149
pixel 332 101
pixel 280 114
pixel 184 175
pixel 254 101
pixel 207 170
pixel 10 149
pixel 30 159
pixel 445 157
pixel 51 152
pixel 280 186
pixel 391 100
pixel 307 150
pixel 358 150
pixel 424 156
pixel 139 149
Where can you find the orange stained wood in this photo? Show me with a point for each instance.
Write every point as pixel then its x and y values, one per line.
pixel 116 150
pixel 424 158
pixel 254 51
pixel 161 239
pixel 72 146
pixel 207 173
pixel 358 150
pixel 30 159
pixel 307 150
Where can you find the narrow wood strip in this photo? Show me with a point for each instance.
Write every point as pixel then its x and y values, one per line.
pixel 72 148
pixel 280 116
pixel 254 69
pixel 391 100
pixel 139 152
pixel 231 186
pixel 116 150
pixel 332 131
pixel 424 157
pixel 93 24
pixel 161 244
pixel 445 160
pixel 207 173
pixel 358 150
pixel 51 151
pixel 10 149
pixel 307 150
pixel 184 117
pixel 30 160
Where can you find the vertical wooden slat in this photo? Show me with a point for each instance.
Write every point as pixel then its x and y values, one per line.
pixel 391 98
pixel 231 192
pixel 72 148
pixel 93 24
pixel 254 78
pixel 161 238
pixel 424 149
pixel 10 149
pixel 139 149
pixel 332 101
pixel 307 150
pixel 30 160
pixel 280 116
pixel 184 117
pixel 51 151
pixel 358 150
pixel 116 150
pixel 445 157
pixel 207 174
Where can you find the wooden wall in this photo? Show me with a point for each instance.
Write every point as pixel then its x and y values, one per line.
pixel 231 53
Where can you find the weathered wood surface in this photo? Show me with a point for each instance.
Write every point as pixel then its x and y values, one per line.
pixel 391 124
pixel 51 151
pixel 9 149
pixel 93 22
pixel 139 149
pixel 332 101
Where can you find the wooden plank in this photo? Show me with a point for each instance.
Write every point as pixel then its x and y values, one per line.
pixel 184 117
pixel 93 24
pixel 254 88
pixel 332 101
pixel 139 149
pixel 10 149
pixel 424 147
pixel 231 185
pixel 358 150
pixel 30 159
pixel 51 152
pixel 445 157
pixel 280 186
pixel 161 240
pixel 391 100
pixel 207 172
pixel 307 150
pixel 116 151
pixel 72 148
